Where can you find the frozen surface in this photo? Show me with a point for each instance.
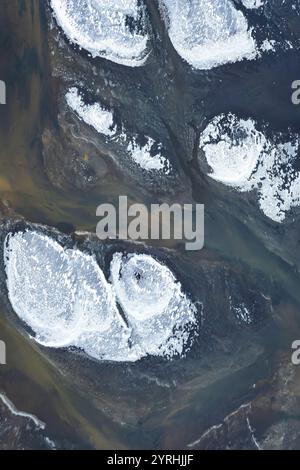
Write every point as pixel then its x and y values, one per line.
pixel 64 297
pixel 208 33
pixel 143 157
pixel 252 4
pixel 242 157
pixel 94 115
pixel 152 300
pixel 148 156
pixel 105 28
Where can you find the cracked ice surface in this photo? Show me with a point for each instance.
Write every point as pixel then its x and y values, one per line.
pixel 105 28
pixel 65 299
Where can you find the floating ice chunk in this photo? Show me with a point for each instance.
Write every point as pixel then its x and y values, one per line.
pixel 232 148
pixel 252 4
pixel 142 156
pixel 63 296
pixel 208 33
pixel 160 314
pixel 148 157
pixel 242 157
pixel 105 28
pixel 93 115
pixel 268 45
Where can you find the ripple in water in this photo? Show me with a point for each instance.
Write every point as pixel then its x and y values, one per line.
pixel 63 296
pixel 105 28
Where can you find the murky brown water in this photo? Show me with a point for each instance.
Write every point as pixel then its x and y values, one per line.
pixel 32 379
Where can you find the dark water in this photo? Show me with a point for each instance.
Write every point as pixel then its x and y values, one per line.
pixel 156 405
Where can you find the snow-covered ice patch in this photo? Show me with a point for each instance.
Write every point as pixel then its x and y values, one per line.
pixel 63 296
pixel 65 299
pixel 268 45
pixel 253 4
pixel 242 157
pixel 149 156
pixel 105 28
pixel 225 134
pixel 208 33
pixel 143 157
pixel 93 115
pixel 159 312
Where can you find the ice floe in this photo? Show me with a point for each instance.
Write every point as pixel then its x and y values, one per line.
pixel 142 155
pixel 94 115
pixel 152 300
pixel 63 296
pixel 242 157
pixel 148 156
pixel 208 33
pixel 65 299
pixel 105 28
pixel 253 4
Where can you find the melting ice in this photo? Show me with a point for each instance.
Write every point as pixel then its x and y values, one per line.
pixel 105 28
pixel 242 157
pixel 63 296
pixel 208 33
pixel 253 3
pixel 93 115
pixel 153 302
pixel 148 156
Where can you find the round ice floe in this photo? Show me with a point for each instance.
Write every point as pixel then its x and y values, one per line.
pixel 93 115
pixel 105 28
pixel 232 148
pixel 142 156
pixel 160 314
pixel 242 157
pixel 63 296
pixel 208 33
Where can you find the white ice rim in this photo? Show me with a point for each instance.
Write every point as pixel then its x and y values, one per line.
pixel 114 340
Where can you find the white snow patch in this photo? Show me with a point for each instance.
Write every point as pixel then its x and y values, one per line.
pixel 93 115
pixel 252 4
pixel 105 28
pixel 208 33
pixel 268 45
pixel 141 155
pixel 159 312
pixel 102 121
pixel 232 148
pixel 63 296
pixel 242 157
